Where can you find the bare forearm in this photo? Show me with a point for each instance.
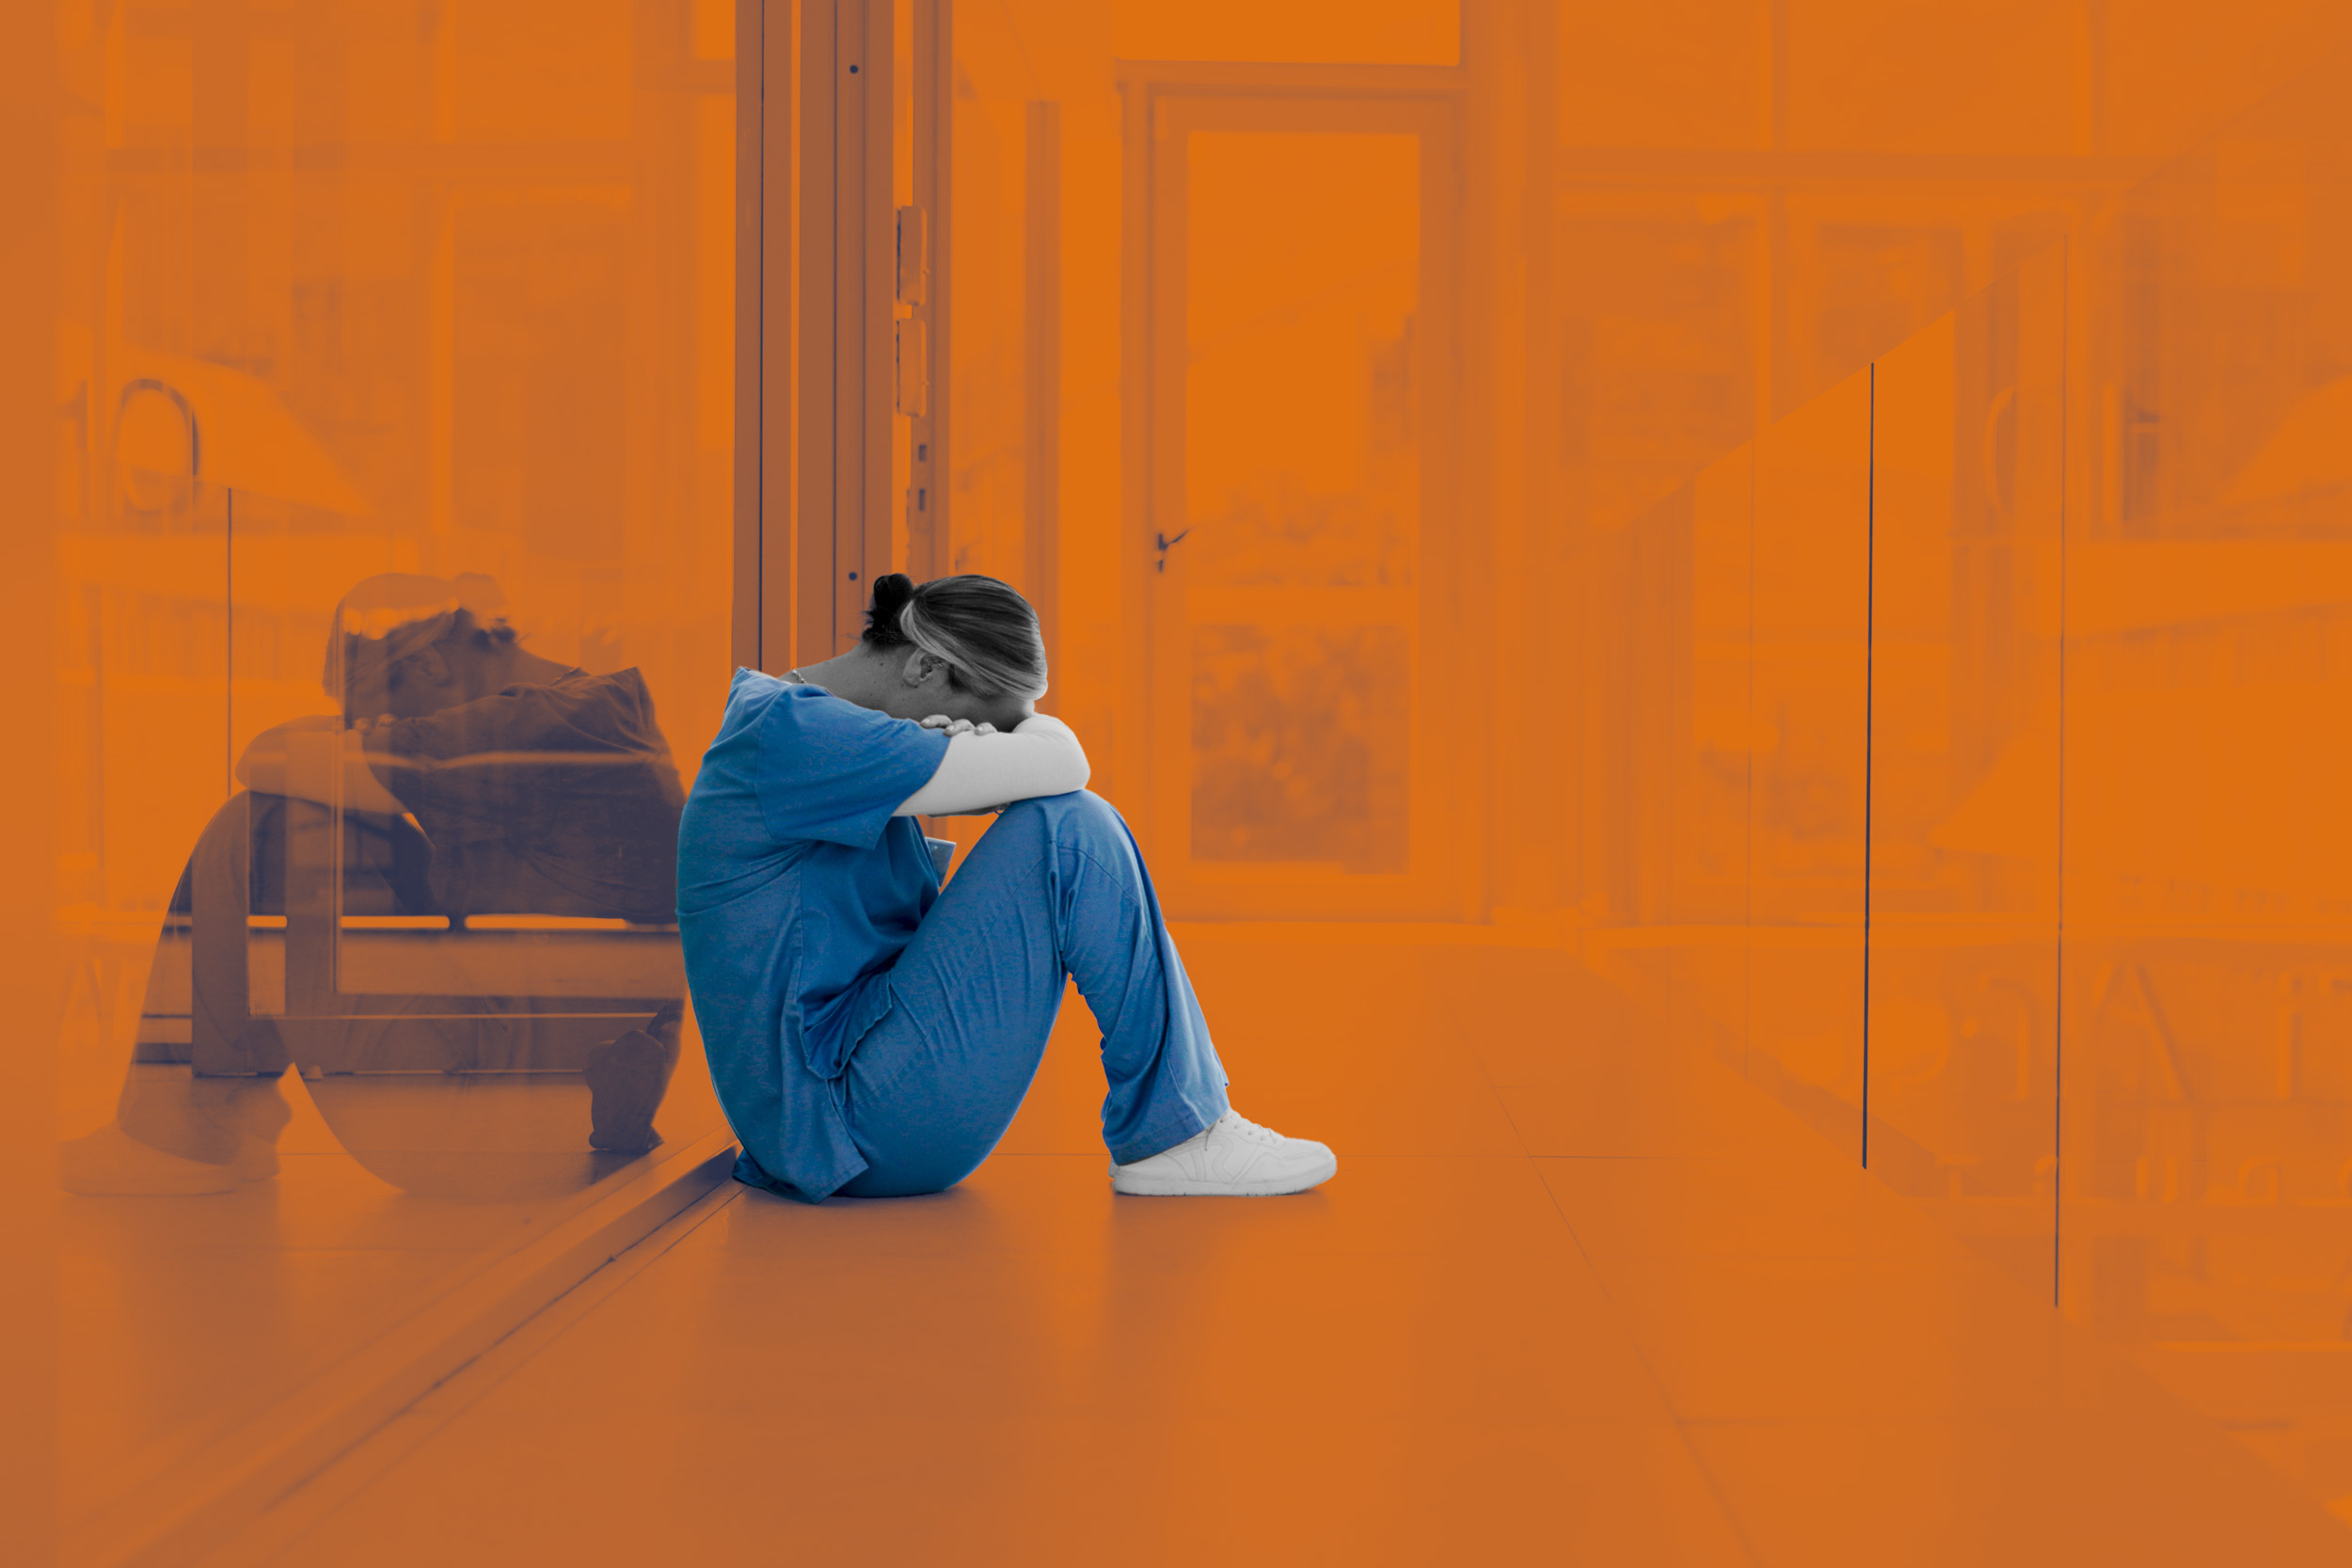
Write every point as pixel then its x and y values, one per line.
pixel 987 772
pixel 302 760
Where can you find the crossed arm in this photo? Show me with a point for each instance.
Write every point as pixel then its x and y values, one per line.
pixel 986 769
pixel 301 757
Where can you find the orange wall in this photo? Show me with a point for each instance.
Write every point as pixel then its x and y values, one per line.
pixel 30 137
pixel 1832 510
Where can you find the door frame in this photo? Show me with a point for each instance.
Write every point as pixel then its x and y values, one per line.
pixel 842 315
pixel 1431 102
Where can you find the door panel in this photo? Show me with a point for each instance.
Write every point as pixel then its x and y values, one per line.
pixel 1299 328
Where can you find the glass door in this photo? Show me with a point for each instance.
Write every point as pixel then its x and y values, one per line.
pixel 1302 273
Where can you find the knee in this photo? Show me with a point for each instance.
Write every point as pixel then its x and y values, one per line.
pixel 234 813
pixel 1080 806
pixel 1080 818
pixel 235 827
pixel 251 812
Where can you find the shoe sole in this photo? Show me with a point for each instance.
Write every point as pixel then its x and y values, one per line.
pixel 1176 1186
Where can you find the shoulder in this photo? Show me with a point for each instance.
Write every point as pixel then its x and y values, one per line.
pixel 749 694
pixel 814 715
pixel 782 711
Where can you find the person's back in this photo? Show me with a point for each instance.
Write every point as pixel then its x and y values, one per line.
pixel 557 797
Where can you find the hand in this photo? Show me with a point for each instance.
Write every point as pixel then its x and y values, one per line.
pixel 956 726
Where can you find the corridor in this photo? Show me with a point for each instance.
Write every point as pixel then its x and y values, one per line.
pixel 1723 624
pixel 1579 1294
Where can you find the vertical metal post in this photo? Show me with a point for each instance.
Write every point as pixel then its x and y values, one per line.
pixel 816 287
pixel 865 286
pixel 763 343
pixel 1042 353
pixel 817 380
pixel 929 541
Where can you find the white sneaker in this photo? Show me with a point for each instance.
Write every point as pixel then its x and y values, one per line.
pixel 1235 1158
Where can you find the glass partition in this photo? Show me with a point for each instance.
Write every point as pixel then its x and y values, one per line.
pixel 392 628
pixel 1809 752
pixel 1969 773
pixel 2208 1063
pixel 1733 711
pixel 1967 502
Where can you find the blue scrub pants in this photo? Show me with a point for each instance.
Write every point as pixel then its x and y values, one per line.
pixel 1055 890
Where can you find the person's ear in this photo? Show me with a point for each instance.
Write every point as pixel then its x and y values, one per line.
pixel 920 667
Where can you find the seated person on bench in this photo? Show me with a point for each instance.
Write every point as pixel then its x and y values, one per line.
pixel 477 778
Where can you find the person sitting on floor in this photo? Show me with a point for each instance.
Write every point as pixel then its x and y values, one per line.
pixel 871 1034
pixel 476 777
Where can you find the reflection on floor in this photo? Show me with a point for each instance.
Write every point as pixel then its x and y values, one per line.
pixel 1575 1296
pixel 186 1317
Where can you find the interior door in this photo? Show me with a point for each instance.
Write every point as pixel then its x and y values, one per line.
pixel 1302 273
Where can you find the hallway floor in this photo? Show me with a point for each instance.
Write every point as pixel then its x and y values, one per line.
pixel 1575 1296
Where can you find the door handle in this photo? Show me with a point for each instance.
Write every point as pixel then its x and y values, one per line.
pixel 1164 544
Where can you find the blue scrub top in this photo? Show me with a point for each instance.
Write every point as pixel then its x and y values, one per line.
pixel 797 889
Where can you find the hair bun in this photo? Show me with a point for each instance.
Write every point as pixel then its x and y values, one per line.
pixel 893 592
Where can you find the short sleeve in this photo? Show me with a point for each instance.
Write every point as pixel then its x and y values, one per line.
pixel 830 769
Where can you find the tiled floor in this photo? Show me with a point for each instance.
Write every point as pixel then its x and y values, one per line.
pixel 1575 1297
pixel 184 1318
